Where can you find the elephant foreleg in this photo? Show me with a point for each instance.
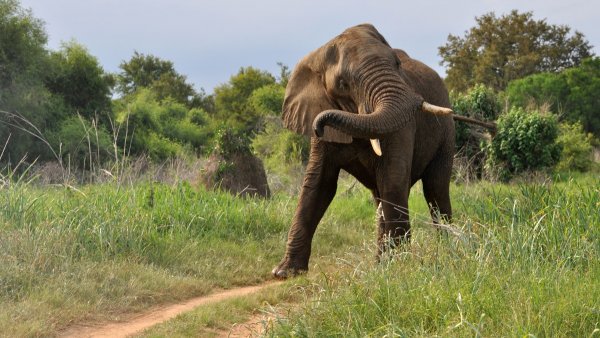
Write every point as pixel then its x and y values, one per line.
pixel 318 189
pixel 393 185
pixel 394 222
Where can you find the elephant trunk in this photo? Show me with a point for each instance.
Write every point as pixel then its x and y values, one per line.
pixel 393 106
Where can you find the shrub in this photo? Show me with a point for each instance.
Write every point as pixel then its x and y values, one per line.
pixel 164 128
pixel 576 148
pixel 284 154
pixel 229 141
pixel 85 143
pixel 480 103
pixel 525 141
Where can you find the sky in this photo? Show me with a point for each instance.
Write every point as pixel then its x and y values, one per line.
pixel 209 41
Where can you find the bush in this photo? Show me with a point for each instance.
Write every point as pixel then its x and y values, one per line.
pixel 164 128
pixel 480 103
pixel 284 154
pixel 82 141
pixel 525 141
pixel 229 141
pixel 576 148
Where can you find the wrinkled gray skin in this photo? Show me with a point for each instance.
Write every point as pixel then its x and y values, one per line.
pixel 356 88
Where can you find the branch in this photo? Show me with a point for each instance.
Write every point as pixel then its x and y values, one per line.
pixel 491 126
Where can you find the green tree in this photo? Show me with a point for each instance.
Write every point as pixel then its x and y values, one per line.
pixel 267 100
pixel 232 99
pixel 23 60
pixel 538 90
pixel 500 49
pixel 149 71
pixel 572 94
pixel 77 77
pixel 22 45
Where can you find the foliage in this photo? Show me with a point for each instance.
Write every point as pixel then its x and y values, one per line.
pixel 267 100
pixel 22 63
pixel 284 74
pixel 42 92
pixel 500 49
pixel 232 99
pixel 149 71
pixel 21 45
pixel 161 129
pixel 82 141
pixel 284 154
pixel 77 77
pixel 571 94
pixel 576 146
pixel 481 103
pixel 538 90
pixel 525 141
pixel 229 142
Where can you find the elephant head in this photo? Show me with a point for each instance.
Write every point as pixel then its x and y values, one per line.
pixel 352 87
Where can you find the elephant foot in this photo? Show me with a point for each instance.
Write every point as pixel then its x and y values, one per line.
pixel 288 268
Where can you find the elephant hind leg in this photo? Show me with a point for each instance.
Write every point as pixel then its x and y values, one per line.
pixel 436 187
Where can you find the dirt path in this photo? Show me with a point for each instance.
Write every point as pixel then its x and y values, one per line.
pixel 158 315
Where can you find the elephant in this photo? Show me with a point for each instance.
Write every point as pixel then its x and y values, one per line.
pixel 379 115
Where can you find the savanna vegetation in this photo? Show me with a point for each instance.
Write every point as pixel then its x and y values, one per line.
pixel 101 213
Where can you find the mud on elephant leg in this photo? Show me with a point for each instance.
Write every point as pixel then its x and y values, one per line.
pixel 318 189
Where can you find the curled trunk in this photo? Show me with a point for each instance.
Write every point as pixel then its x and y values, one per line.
pixel 393 103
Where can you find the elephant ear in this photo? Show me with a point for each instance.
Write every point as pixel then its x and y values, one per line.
pixel 305 98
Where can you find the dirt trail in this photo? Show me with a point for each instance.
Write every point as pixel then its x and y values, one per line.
pixel 160 314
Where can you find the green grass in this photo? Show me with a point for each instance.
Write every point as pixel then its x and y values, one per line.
pixel 523 261
pixel 99 252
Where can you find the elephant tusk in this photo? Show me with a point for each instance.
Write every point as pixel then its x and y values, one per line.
pixel 376 146
pixel 436 110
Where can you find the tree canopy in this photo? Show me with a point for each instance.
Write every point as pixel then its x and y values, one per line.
pixel 149 71
pixel 232 99
pixel 571 94
pixel 22 44
pixel 500 49
pixel 76 76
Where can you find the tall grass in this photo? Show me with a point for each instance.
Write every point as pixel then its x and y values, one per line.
pixel 70 253
pixel 523 260
pixel 93 252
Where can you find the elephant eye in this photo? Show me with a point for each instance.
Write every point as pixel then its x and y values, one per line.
pixel 342 84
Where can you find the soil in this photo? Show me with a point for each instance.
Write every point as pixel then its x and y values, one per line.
pixel 239 174
pixel 142 321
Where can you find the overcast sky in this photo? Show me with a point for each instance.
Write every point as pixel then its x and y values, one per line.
pixel 208 41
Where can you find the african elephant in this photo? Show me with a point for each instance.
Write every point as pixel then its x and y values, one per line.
pixel 377 114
